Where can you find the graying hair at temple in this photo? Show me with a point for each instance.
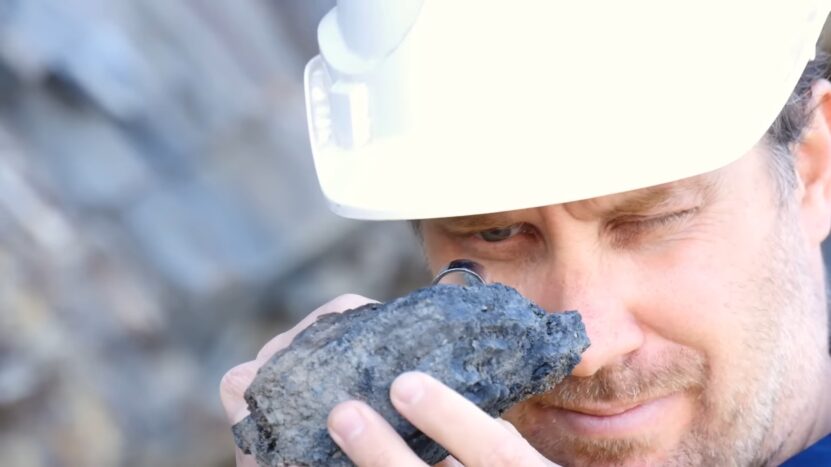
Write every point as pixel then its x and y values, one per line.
pixel 791 122
pixel 787 130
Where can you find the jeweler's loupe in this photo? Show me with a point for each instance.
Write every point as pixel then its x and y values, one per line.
pixel 461 272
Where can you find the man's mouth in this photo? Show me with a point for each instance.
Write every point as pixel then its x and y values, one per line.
pixel 614 420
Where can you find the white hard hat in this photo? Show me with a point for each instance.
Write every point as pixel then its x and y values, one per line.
pixel 435 108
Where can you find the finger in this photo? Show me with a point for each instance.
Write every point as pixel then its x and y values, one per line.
pixel 338 305
pixel 474 437
pixel 367 438
pixel 245 460
pixel 509 426
pixel 233 386
pixel 449 461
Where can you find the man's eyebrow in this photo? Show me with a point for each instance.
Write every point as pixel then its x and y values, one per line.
pixel 476 223
pixel 647 199
pixel 633 202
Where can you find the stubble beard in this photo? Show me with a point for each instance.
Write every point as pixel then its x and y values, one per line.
pixel 758 411
pixel 741 422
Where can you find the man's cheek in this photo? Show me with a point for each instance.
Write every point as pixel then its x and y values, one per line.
pixel 686 296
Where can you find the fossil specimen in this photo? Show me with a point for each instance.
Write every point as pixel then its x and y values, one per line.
pixel 487 342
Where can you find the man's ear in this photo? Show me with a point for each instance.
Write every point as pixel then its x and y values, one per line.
pixel 813 166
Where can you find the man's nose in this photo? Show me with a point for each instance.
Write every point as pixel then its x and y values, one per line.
pixel 613 328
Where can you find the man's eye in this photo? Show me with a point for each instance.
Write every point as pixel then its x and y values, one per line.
pixel 630 229
pixel 668 219
pixel 500 234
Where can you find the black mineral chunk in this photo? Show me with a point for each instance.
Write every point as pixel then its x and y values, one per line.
pixel 487 342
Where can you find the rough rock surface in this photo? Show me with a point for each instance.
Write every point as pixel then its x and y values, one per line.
pixel 487 342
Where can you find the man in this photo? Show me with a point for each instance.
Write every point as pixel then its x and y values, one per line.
pixel 653 195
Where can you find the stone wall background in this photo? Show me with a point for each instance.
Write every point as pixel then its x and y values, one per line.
pixel 159 221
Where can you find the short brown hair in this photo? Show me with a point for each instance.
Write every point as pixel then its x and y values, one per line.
pixel 787 130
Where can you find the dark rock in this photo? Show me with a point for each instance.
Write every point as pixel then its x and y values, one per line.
pixel 486 342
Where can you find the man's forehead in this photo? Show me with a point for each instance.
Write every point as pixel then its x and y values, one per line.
pixel 630 202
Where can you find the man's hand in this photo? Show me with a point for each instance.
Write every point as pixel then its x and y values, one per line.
pixel 237 379
pixel 445 416
pixel 475 438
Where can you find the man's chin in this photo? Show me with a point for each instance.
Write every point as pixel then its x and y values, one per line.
pixel 569 450
pixel 594 452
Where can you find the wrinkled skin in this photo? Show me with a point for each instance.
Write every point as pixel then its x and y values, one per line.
pixel 705 303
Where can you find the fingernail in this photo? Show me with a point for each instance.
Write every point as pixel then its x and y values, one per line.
pixel 346 423
pixel 408 388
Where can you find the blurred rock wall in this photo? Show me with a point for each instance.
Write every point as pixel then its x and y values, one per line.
pixel 159 221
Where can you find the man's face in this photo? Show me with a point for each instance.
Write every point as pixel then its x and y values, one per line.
pixel 704 304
